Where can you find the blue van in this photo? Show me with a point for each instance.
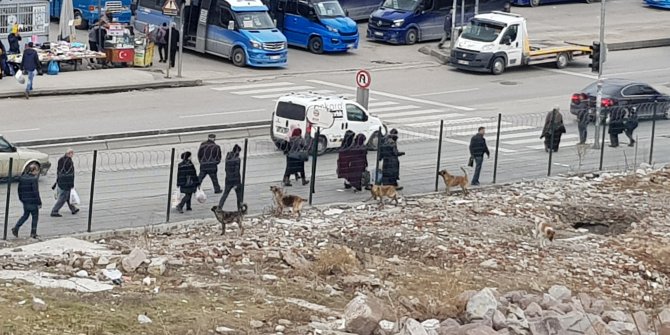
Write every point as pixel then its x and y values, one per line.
pixel 534 3
pixel 240 30
pixel 318 25
pixel 359 9
pixel 411 21
pixel 86 12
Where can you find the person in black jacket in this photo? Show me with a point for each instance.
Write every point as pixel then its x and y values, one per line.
pixel 616 126
pixel 209 156
pixel 583 117
pixel 13 40
pixel 187 180
pixel 233 178
pixel 30 62
pixel 390 164
pixel 478 148
pixel 630 125
pixel 174 43
pixel 296 151
pixel 29 194
pixel 65 183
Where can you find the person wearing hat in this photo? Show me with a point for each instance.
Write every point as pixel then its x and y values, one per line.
pixel 209 156
pixel 233 178
pixel 30 62
pixel 553 130
pixel 389 155
pixel 187 181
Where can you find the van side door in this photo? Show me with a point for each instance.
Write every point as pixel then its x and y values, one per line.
pixel 220 38
pixel 429 21
pixel 512 45
pixel 296 22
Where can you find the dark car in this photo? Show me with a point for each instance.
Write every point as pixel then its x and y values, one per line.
pixel 623 93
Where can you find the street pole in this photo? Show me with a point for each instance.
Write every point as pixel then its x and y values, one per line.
pixel 462 12
pixel 181 38
pixel 167 74
pixel 452 40
pixel 476 7
pixel 599 94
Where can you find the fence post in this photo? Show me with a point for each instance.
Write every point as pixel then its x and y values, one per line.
pixel 379 146
pixel 495 158
pixel 90 199
pixel 602 146
pixel 312 181
pixel 169 201
pixel 551 143
pixel 244 167
pixel 9 194
pixel 653 133
pixel 439 154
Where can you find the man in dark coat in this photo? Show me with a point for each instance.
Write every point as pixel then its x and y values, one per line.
pixel 29 194
pixel 174 43
pixel 630 125
pixel 30 63
pixel 209 156
pixel 616 126
pixel 582 124
pixel 344 157
pixel 233 178
pixel 390 164
pixel 478 148
pixel 13 40
pixel 187 181
pixel 65 184
pixel 553 130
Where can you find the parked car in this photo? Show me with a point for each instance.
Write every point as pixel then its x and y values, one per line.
pixel 664 4
pixel 22 158
pixel 623 93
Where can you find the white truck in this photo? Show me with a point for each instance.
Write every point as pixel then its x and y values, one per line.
pixel 495 41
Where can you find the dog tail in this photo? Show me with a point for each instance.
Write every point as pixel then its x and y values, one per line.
pixel 466 174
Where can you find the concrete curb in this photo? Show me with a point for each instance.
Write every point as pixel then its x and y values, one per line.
pixel 106 89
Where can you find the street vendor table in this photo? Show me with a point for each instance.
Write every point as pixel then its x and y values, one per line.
pixel 46 56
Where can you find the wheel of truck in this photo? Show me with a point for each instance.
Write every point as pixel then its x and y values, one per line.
pixel 316 45
pixel 321 145
pixel 562 60
pixel 238 57
pixel 412 36
pixel 83 24
pixel 534 3
pixel 498 66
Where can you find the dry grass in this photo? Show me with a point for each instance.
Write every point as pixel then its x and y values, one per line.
pixel 336 260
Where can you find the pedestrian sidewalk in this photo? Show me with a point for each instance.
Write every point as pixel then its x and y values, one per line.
pixel 95 81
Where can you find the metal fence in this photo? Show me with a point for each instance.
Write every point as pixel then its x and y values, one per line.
pixel 132 187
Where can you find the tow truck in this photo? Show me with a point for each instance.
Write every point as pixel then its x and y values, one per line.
pixel 496 41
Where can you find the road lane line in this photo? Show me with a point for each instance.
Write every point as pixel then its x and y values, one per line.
pixel 445 92
pixel 270 90
pixel 395 96
pixel 381 103
pixel 221 113
pixel 494 130
pixel 536 139
pixel 570 73
pixel 249 86
pixel 19 130
pixel 394 115
pixel 636 72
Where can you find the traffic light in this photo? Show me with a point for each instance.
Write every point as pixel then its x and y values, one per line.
pixel 595 57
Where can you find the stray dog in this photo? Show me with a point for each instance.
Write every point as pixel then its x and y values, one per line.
pixel 229 217
pixel 545 233
pixel 282 201
pixel 452 181
pixel 381 191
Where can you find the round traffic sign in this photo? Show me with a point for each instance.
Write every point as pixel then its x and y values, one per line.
pixel 363 79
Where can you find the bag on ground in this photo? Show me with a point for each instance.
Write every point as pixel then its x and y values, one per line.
pixel 176 197
pixel 200 196
pixel 53 68
pixel 19 77
pixel 74 197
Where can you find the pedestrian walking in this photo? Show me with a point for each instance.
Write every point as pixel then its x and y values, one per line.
pixel 583 117
pixel 29 195
pixel 209 156
pixel 161 42
pixel 296 156
pixel 359 163
pixel 174 43
pixel 478 148
pixel 390 164
pixel 93 36
pixel 4 69
pixel 553 130
pixel 233 178
pixel 187 181
pixel 616 126
pixel 30 62
pixel 64 184
pixel 630 125
pixel 344 158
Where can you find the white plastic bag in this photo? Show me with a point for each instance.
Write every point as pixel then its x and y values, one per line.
pixel 176 197
pixel 19 77
pixel 200 196
pixel 74 197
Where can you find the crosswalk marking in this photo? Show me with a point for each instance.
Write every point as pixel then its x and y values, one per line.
pixel 276 89
pixel 277 95
pixel 381 103
pixel 244 87
pixel 392 108
pixel 535 139
pixel 492 131
pixel 535 133
pixel 420 112
pixel 563 145
pixel 452 122
pixel 406 120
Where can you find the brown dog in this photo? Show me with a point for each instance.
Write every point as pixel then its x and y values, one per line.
pixel 282 201
pixel 226 217
pixel 381 191
pixel 452 181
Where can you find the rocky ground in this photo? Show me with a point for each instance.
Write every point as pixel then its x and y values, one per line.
pixel 433 265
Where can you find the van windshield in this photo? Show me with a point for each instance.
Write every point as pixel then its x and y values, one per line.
pixel 291 111
pixel 328 9
pixel 407 5
pixel 254 20
pixel 483 31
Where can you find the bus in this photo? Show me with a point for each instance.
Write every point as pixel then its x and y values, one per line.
pixel 86 12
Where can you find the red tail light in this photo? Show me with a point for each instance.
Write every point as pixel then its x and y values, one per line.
pixel 607 102
pixel 578 98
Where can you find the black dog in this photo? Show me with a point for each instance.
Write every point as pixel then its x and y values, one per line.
pixel 229 217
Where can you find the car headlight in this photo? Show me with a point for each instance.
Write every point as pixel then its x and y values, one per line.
pixel 398 23
pixel 331 29
pixel 257 45
pixel 487 47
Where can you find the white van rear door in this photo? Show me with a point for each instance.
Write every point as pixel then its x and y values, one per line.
pixel 288 116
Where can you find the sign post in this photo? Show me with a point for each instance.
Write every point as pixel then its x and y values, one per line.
pixel 363 81
pixel 321 117
pixel 169 9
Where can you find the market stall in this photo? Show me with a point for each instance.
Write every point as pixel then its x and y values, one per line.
pixel 119 44
pixel 61 52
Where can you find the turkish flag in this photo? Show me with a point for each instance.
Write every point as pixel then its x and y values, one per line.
pixel 125 55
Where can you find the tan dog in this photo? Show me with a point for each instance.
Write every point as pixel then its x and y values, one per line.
pixel 453 181
pixel 282 201
pixel 545 233
pixel 381 191
pixel 226 217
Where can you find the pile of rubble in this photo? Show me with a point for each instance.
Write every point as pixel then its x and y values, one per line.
pixel 398 265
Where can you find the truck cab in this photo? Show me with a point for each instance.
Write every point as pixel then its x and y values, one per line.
pixel 408 21
pixel 318 25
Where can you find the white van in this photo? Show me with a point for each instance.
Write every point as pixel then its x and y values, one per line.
pixel 291 110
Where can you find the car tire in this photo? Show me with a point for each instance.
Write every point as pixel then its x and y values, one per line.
pixel 321 145
pixel 412 36
pixel 534 3
pixel 238 57
pixel 562 60
pixel 498 66
pixel 316 45
pixel 83 23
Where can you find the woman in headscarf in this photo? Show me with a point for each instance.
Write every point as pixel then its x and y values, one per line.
pixel 358 162
pixel 296 156
pixel 344 158
pixel 553 123
pixel 187 180
pixel 389 155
